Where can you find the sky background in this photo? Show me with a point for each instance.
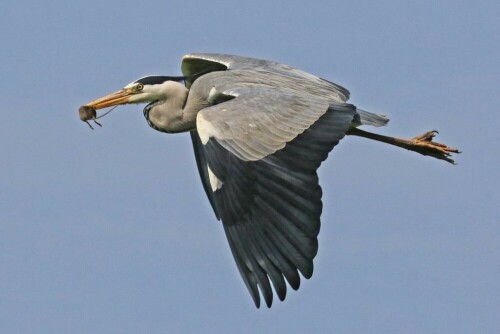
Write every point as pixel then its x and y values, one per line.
pixel 109 231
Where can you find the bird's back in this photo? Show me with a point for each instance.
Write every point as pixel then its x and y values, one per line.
pixel 233 71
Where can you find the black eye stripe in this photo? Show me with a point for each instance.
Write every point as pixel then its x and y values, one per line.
pixel 157 79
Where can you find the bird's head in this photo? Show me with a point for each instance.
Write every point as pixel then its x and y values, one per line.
pixel 143 90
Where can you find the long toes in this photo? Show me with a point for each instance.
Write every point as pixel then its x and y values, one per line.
pixel 437 150
pixel 443 152
pixel 446 158
pixel 440 147
pixel 452 150
pixel 426 136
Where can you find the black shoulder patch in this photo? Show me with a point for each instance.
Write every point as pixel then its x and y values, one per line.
pixel 158 79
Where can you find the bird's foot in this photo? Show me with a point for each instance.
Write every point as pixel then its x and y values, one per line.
pixel 424 145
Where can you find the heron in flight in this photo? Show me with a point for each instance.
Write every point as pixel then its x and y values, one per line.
pixel 260 130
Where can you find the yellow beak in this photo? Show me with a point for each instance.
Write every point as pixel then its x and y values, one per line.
pixel 113 99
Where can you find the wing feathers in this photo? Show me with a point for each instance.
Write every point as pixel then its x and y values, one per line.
pixel 268 131
pixel 271 207
pixel 253 125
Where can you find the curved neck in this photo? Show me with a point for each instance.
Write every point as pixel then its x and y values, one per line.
pixel 168 114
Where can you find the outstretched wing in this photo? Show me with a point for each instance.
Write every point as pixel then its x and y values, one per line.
pixel 257 122
pixel 271 208
pixel 195 65
pixel 258 148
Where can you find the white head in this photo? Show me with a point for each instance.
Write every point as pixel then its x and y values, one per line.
pixel 144 90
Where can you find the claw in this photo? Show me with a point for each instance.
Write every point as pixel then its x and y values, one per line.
pixel 424 145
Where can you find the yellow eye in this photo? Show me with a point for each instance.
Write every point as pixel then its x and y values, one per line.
pixel 139 87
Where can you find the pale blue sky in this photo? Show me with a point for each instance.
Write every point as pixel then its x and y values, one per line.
pixel 109 231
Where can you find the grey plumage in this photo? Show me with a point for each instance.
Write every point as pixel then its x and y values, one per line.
pixel 260 130
pixel 367 118
pixel 266 159
pixel 271 207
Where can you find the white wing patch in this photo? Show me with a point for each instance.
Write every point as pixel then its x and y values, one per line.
pixel 205 129
pixel 212 95
pixel 215 183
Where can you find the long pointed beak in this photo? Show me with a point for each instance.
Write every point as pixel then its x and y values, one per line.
pixel 120 97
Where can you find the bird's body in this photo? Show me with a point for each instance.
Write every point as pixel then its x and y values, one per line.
pixel 260 130
pixel 210 88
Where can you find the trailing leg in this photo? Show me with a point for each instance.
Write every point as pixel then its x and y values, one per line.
pixel 422 144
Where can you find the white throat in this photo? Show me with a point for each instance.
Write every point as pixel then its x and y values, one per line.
pixel 167 115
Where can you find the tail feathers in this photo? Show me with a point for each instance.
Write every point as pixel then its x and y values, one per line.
pixel 367 118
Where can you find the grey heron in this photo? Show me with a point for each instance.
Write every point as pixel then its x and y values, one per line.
pixel 260 130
